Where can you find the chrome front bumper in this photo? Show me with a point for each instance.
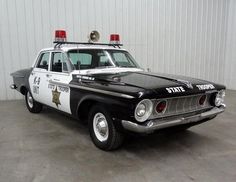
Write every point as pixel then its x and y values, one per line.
pixel 165 122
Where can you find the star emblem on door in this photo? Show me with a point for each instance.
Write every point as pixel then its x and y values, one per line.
pixel 56 97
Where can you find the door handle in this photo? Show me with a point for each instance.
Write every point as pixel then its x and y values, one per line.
pixel 48 75
pixel 56 79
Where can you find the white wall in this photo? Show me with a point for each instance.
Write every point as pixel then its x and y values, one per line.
pixel 230 56
pixel 185 37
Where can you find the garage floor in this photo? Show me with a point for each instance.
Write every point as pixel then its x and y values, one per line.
pixel 53 147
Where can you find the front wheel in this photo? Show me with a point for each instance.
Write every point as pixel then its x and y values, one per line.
pixel 102 130
pixel 31 104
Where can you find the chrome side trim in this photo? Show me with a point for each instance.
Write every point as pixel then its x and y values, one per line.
pixel 153 125
pixel 102 91
pixel 17 75
pixel 59 83
pixel 94 90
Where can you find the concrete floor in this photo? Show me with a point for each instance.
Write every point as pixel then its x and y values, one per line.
pixel 53 147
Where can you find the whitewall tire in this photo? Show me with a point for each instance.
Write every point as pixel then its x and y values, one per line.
pixel 31 104
pixel 102 130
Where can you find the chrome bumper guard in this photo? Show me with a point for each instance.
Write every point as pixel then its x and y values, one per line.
pixel 153 125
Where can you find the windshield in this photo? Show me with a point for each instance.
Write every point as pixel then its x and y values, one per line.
pixel 123 59
pixel 99 58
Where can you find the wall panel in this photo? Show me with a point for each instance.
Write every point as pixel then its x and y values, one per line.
pixel 230 55
pixel 186 37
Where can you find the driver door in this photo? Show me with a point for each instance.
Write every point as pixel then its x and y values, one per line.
pixel 58 79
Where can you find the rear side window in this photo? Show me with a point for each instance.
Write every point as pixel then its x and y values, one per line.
pixel 43 61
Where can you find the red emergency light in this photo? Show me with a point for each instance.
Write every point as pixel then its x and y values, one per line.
pixel 114 39
pixel 60 35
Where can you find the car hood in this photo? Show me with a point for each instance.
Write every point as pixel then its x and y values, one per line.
pixel 148 84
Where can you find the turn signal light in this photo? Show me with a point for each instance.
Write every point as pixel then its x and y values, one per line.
pixel 202 100
pixel 161 106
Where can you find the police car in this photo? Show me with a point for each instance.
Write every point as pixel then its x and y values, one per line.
pixel 103 85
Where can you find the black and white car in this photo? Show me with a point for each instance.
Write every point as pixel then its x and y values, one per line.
pixel 102 84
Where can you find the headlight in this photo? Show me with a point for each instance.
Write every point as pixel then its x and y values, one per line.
pixel 143 110
pixel 219 100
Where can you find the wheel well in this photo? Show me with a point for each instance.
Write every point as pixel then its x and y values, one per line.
pixel 84 108
pixel 23 90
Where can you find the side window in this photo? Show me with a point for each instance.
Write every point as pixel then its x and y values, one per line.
pixel 82 59
pixel 58 63
pixel 43 61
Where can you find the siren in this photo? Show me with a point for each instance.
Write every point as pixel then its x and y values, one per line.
pixel 114 39
pixel 60 36
pixel 94 36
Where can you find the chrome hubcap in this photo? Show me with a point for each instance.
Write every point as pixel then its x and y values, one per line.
pixel 29 100
pixel 100 127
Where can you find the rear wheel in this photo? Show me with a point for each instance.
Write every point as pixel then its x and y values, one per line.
pixel 31 104
pixel 102 130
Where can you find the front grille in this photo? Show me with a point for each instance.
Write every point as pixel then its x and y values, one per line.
pixel 181 105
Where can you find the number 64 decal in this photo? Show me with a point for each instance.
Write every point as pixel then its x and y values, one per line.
pixel 37 80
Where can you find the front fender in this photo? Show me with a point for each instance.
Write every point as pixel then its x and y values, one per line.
pixel 118 107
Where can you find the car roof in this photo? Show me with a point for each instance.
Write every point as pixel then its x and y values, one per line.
pixel 66 48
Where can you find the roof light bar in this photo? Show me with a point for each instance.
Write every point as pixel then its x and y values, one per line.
pixel 60 39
